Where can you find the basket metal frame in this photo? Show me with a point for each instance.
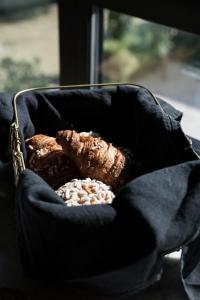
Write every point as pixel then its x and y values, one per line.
pixel 15 141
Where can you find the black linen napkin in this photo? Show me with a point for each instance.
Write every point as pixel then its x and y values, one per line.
pixel 153 215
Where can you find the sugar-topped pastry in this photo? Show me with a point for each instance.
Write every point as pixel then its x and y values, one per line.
pixel 85 192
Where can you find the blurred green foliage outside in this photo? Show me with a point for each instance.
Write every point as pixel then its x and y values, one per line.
pixel 133 47
pixel 19 75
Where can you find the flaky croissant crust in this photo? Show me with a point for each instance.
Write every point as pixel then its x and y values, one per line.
pixel 41 148
pixel 47 159
pixel 95 158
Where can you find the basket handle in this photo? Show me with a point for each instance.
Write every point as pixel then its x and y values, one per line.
pixel 15 142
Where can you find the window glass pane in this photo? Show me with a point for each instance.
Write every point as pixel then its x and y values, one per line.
pixel 28 44
pixel 163 59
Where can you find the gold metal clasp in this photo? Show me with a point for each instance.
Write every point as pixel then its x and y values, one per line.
pixel 17 155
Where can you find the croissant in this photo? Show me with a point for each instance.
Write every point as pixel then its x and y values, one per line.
pixel 46 158
pixel 96 158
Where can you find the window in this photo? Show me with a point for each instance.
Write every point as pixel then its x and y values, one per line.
pixel 161 58
pixel 28 44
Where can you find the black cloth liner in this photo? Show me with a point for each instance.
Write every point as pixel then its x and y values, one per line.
pixel 118 248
